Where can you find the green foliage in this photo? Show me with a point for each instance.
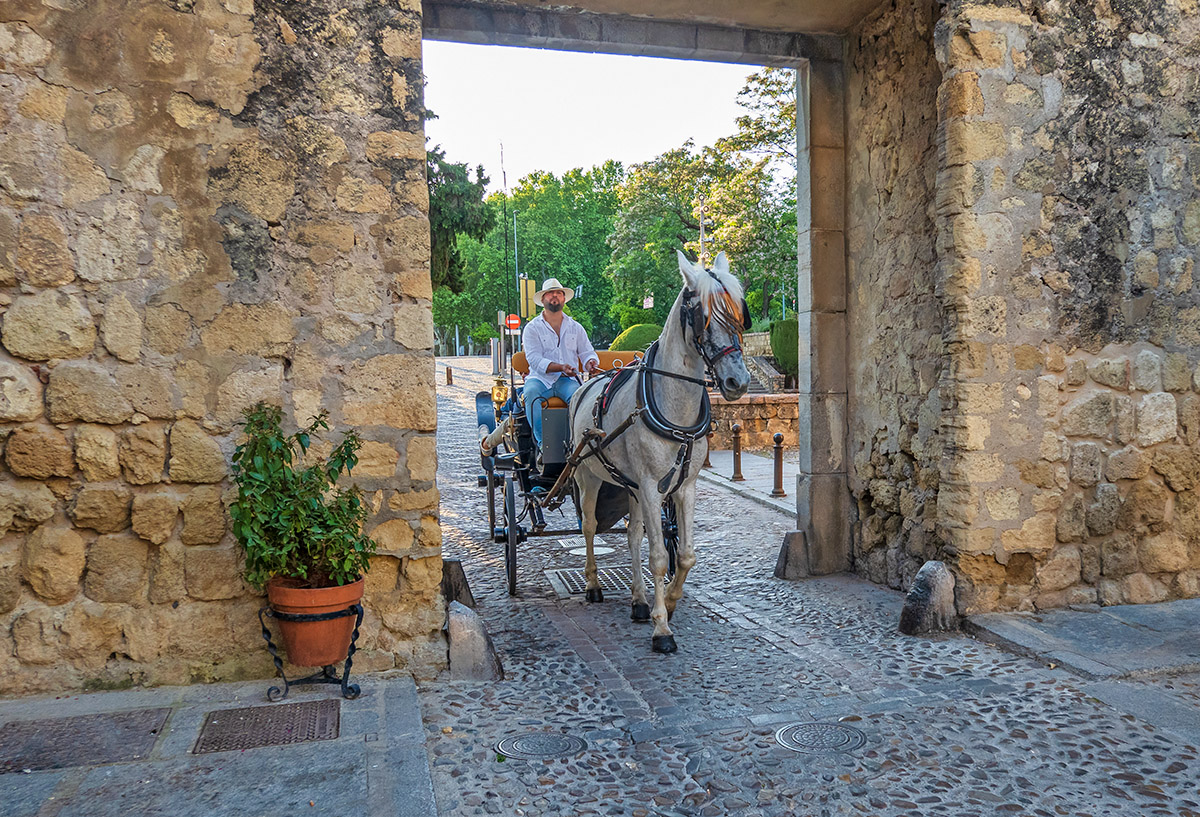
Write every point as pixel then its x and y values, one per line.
pixel 484 332
pixel 456 208
pixel 770 128
pixel 293 521
pixel 785 345
pixel 636 338
pixel 760 325
pixel 629 316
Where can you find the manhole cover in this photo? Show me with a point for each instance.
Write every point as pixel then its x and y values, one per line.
pixel 597 550
pixel 540 745
pixel 820 737
pixel 255 726
pixel 571 581
pixel 84 740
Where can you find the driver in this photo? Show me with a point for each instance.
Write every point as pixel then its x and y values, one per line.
pixel 554 344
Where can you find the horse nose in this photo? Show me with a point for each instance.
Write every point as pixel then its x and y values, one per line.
pixel 733 385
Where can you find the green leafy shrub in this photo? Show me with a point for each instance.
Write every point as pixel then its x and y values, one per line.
pixel 785 346
pixel 291 521
pixel 629 316
pixel 636 338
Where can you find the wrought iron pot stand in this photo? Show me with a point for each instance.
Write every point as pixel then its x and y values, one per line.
pixel 328 674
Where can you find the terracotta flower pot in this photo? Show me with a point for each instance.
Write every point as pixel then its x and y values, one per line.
pixel 314 643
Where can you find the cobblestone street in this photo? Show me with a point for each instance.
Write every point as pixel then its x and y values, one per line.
pixel 947 725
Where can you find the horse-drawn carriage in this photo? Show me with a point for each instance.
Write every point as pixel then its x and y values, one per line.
pixel 629 445
pixel 518 477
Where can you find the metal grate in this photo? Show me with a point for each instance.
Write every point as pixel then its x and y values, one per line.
pixel 84 740
pixel 814 738
pixel 540 746
pixel 252 727
pixel 570 581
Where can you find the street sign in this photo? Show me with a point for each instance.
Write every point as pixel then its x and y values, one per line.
pixel 513 321
pixel 528 307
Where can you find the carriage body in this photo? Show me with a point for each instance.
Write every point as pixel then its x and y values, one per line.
pixel 515 476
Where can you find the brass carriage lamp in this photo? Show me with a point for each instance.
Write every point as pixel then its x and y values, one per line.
pixel 499 393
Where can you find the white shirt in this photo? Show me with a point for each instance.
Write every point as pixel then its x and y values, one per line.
pixel 543 346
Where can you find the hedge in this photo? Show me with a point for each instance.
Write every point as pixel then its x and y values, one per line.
pixel 785 345
pixel 636 338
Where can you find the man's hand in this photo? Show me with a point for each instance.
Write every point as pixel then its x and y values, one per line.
pixel 569 370
pixel 592 366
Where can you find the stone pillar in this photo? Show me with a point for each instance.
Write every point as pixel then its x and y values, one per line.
pixel 822 492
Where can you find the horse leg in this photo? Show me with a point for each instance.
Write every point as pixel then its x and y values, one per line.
pixel 589 492
pixel 685 556
pixel 641 610
pixel 662 640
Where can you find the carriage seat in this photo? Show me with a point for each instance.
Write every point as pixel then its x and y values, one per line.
pixel 608 360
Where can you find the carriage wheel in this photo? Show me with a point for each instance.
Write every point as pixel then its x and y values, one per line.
pixel 670 527
pixel 510 544
pixel 491 504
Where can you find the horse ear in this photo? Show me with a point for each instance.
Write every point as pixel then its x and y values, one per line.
pixel 721 263
pixel 687 271
pixel 745 316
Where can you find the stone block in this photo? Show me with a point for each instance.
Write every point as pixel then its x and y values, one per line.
pixel 167 580
pixel 1177 374
pixel 1142 589
pixel 149 390
pixel 142 452
pixel 1103 511
pixel 792 562
pixel 1179 465
pixel 121 329
pixel 960 95
pixel 421 458
pixel 154 516
pixel 1166 552
pixel 1003 504
pixel 1146 373
pixel 1126 419
pixel 103 508
pixel 472 655
pixel 823 503
pixel 49 324
pixel 413 326
pixel 52 562
pixel 1086 464
pixel 212 574
pixel 241 390
pixel 1036 534
pixel 1156 419
pixel 35 637
pixel 203 517
pixel 1072 520
pixel 195 456
pixel 929 604
pixel 1110 372
pixel 40 452
pixel 252 176
pixel 116 569
pixel 374 395
pixel 20 393
pixel 1145 506
pixel 1090 416
pixel 96 453
pixel 81 390
pixel 43 257
pixel 1061 570
pixel 264 330
pixel 1128 463
pixel 828 188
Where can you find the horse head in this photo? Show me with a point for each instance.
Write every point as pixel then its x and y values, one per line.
pixel 713 312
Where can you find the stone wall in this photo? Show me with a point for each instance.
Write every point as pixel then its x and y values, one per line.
pixel 895 318
pixel 1069 222
pixel 761 417
pixel 203 204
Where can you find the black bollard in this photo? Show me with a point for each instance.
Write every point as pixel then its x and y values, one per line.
pixel 707 463
pixel 737 454
pixel 449 376
pixel 777 490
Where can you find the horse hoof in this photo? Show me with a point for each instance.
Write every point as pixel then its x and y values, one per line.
pixel 664 644
pixel 641 612
pixel 594 594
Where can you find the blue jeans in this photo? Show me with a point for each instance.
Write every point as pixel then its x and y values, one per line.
pixel 536 391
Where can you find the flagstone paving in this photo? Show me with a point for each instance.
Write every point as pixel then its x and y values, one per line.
pixel 948 724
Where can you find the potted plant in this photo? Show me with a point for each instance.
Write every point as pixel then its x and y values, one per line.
pixel 302 534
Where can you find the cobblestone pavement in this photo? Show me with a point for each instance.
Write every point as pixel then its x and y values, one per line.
pixel 947 725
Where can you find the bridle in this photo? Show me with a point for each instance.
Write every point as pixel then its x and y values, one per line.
pixel 693 315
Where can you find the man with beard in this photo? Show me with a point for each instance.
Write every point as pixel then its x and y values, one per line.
pixel 554 345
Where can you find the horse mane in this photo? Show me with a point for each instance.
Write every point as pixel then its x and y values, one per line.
pixel 722 297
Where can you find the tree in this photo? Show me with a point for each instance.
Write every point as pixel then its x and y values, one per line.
pixel 456 208
pixel 770 127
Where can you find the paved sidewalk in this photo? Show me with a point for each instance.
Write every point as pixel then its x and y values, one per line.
pixel 758 471
pixel 376 767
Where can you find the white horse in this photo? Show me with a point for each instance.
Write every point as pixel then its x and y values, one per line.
pixel 654 426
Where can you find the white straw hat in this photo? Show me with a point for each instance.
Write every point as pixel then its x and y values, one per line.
pixel 549 285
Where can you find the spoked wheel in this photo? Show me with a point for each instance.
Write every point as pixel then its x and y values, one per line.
pixel 670 528
pixel 513 534
pixel 491 503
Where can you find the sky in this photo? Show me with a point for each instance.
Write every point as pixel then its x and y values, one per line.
pixel 558 110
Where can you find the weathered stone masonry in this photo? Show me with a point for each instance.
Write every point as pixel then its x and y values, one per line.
pixel 203 204
pixel 1068 223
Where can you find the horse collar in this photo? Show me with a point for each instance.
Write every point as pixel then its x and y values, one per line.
pixel 653 417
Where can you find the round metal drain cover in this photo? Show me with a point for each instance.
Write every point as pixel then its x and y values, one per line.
pixel 820 737
pixel 540 746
